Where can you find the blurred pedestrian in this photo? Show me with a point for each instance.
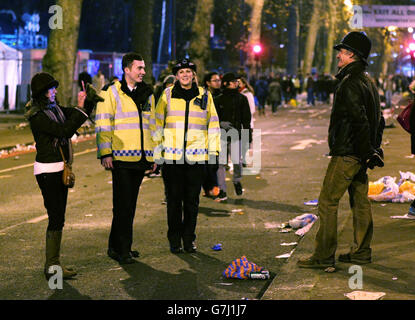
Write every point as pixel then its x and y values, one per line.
pixel 388 88
pixel 411 211
pixel 125 147
pixel 261 92
pixel 52 127
pixel 355 135
pixel 98 81
pixel 168 81
pixel 234 114
pixel 187 131
pixel 310 89
pixel 84 77
pixel 297 86
pixel 274 95
pixel 246 89
pixel 212 82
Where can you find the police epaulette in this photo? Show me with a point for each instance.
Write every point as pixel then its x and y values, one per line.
pixel 204 100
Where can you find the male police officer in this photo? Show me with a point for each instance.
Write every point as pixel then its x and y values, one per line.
pixel 125 147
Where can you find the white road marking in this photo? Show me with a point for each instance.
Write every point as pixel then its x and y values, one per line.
pixel 31 164
pixel 38 219
pixel 302 144
pixel 43 217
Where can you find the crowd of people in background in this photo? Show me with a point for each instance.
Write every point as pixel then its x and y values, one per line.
pixel 275 91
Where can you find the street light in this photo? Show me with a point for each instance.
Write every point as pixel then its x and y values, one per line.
pixel 256 49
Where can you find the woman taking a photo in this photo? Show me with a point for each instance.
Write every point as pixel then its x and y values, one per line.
pixel 52 128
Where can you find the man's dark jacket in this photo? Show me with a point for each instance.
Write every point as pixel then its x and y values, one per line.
pixel 233 107
pixel 356 121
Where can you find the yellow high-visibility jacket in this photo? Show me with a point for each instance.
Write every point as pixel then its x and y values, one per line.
pixel 119 128
pixel 176 118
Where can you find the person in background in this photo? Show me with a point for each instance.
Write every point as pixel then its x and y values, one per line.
pixel 261 92
pixel 84 77
pixel 98 81
pixel 411 211
pixel 275 94
pixel 234 113
pixel 246 89
pixel 388 89
pixel 53 126
pixel 212 82
pixel 168 81
pixel 310 89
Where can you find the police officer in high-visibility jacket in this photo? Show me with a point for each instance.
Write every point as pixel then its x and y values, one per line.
pixel 125 147
pixel 187 133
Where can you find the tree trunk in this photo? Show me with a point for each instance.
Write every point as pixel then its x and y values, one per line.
pixel 199 50
pixel 293 34
pixel 62 48
pixel 387 54
pixel 142 34
pixel 312 32
pixel 332 19
pixel 254 32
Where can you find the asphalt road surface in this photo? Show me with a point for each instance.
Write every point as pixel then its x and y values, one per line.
pixel 293 163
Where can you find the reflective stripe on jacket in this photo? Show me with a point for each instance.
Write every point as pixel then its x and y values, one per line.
pixel 118 129
pixel 202 130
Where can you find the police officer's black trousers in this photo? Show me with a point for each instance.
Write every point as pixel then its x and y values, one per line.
pixel 125 187
pixel 183 185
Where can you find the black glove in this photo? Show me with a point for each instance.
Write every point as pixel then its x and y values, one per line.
pixel 92 98
pixel 376 160
pixel 250 135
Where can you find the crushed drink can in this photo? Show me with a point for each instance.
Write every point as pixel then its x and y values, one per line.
pixel 262 275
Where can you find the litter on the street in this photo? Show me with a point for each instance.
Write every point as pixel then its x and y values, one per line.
pixel 286 255
pixel 386 188
pixel 302 220
pixel 301 232
pixel 365 295
pixel 405 217
pixel 312 202
pixel 241 268
pixel 271 225
pixel 330 270
pixel 217 247
pixel 262 275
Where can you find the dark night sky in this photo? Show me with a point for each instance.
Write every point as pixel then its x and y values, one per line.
pixel 105 24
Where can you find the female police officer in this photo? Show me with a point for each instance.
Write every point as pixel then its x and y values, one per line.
pixel 187 132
